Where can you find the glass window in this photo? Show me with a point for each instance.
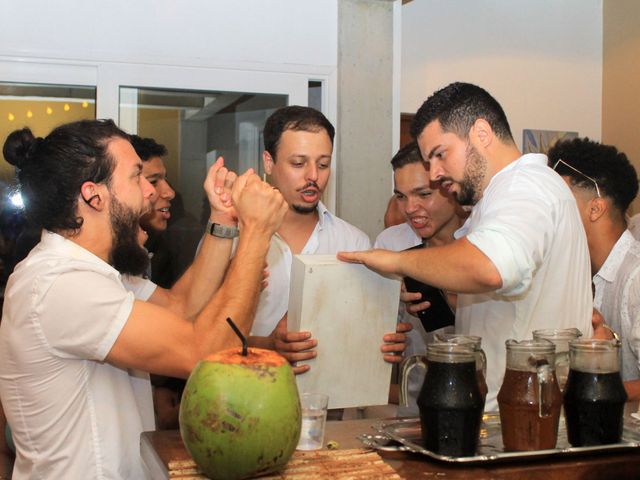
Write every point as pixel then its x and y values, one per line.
pixel 41 108
pixel 196 128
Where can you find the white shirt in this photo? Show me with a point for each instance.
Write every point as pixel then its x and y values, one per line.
pixel 72 415
pixel 527 223
pixel 617 298
pixel 397 238
pixel 331 235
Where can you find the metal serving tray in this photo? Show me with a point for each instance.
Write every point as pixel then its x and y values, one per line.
pixel 407 433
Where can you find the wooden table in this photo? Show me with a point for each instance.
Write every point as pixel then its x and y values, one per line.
pixel 159 447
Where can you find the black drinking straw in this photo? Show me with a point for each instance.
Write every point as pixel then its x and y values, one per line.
pixel 239 333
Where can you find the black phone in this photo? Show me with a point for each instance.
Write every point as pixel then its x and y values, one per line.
pixel 439 314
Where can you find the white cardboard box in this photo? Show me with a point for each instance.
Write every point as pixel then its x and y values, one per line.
pixel 348 309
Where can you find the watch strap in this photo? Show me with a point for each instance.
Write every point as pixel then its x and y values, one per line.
pixel 222 231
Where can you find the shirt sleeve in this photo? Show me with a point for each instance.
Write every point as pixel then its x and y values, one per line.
pixel 83 313
pixel 514 234
pixel 632 300
pixel 142 288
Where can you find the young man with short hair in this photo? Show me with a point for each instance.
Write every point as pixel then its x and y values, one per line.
pixel 298 149
pixel 604 184
pixel 430 218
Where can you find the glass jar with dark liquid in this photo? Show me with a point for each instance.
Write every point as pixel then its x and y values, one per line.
pixel 594 396
pixel 472 341
pixel 529 398
pixel 450 402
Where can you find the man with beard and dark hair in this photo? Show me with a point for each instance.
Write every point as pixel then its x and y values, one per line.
pixel 520 262
pixel 76 333
pixel 298 148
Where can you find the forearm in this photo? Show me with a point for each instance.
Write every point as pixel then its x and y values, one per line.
pixel 203 277
pixel 237 298
pixel 458 267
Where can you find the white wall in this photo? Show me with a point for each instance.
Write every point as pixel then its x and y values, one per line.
pixel 176 32
pixel 273 46
pixel 541 59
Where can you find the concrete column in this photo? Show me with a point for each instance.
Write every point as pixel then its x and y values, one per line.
pixel 365 112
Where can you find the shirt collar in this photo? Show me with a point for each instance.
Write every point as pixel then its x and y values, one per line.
pixel 55 242
pixel 323 214
pixel 527 158
pixel 612 264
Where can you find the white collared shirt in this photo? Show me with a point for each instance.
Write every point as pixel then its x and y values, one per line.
pixel 330 235
pixel 397 238
pixel 617 298
pixel 527 223
pixel 72 415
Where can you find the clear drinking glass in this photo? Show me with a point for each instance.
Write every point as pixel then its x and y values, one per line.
pixel 314 417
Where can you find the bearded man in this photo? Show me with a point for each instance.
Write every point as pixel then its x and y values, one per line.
pixel 520 262
pixel 74 330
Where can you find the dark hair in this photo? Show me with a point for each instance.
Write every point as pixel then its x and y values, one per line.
pixel 294 118
pixel 147 148
pixel 616 177
pixel 410 153
pixel 457 107
pixel 51 170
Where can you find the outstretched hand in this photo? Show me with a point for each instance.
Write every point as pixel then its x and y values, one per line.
pixel 378 260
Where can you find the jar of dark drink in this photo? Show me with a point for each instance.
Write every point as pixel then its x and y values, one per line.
pixel 475 343
pixel 529 398
pixel 420 361
pixel 450 402
pixel 594 396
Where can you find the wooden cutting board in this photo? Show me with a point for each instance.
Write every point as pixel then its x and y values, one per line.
pixel 353 464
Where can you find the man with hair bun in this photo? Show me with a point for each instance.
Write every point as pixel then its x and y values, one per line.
pixel 77 322
pixel 604 184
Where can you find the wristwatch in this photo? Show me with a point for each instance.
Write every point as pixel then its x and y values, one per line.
pixel 222 231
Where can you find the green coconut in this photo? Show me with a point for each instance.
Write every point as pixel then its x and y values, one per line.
pixel 240 415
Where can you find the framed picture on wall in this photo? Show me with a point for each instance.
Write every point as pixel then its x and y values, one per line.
pixel 540 141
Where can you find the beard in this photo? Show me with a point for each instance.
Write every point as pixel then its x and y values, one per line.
pixel 474 172
pixel 127 256
pixel 304 209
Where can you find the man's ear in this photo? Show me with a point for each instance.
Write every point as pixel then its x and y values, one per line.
pixel 598 206
pixel 482 132
pixel 267 162
pixel 90 193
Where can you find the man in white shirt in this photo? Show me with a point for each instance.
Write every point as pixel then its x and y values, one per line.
pixel 430 218
pixel 520 262
pixel 604 184
pixel 74 331
pixel 298 145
